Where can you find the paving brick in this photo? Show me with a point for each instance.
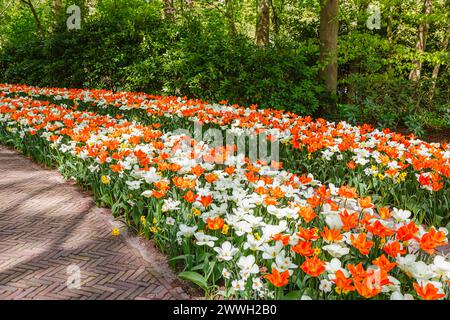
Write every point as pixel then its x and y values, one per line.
pixel 47 224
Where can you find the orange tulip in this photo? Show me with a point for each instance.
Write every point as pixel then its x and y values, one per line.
pixel 215 224
pixel 313 266
pixel 393 249
pixel 206 200
pixel 158 194
pixel 303 248
pixel 350 221
pixel 431 240
pixel 307 234
pixel 365 203
pixel 428 292
pixel 347 192
pixel 357 271
pixel 407 232
pixel 383 263
pixel 351 165
pixel 229 170
pixel 378 229
pixel 331 235
pixel 314 201
pixel 190 196
pixel 361 243
pixel 385 213
pixel 278 279
pixel 281 237
pixel 343 284
pixel 366 288
pixel 307 213
pixel 197 170
pixel 211 177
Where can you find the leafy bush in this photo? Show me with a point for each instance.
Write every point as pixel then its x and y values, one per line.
pixel 193 58
pixel 214 66
pixel 391 102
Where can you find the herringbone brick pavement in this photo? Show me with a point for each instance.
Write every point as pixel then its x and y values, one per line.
pixel 49 229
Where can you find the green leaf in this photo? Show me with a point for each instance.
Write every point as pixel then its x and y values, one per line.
pixel 184 256
pixel 197 267
pixel 195 278
pixel 293 295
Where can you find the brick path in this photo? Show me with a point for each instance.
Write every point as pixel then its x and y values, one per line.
pixel 47 225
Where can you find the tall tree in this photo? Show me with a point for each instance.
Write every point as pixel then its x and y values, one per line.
pixel 35 16
pixel 263 23
pixel 437 67
pixel 328 36
pixel 421 41
pixel 275 17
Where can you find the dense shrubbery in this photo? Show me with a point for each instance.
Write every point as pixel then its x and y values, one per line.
pixel 391 102
pixel 128 45
pixel 151 56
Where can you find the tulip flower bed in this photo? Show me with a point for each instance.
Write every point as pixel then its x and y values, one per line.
pixel 394 169
pixel 237 228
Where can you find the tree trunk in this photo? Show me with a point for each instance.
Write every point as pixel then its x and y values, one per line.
pixel 169 10
pixel 275 18
pixel 421 42
pixel 229 14
pixel 328 36
pixel 444 49
pixel 35 16
pixel 263 23
pixel 437 67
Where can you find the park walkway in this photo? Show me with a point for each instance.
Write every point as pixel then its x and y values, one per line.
pixel 50 233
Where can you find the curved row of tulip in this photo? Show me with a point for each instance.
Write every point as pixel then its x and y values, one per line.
pixel 404 171
pixel 253 231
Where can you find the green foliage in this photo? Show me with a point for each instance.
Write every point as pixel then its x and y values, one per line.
pixel 214 66
pixel 193 58
pixel 131 45
pixel 391 102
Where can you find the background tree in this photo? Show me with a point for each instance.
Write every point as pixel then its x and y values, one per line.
pixel 29 3
pixel 263 23
pixel 421 40
pixel 328 36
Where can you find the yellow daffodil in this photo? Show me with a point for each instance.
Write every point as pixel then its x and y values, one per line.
pixel 105 180
pixel 153 230
pixel 225 229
